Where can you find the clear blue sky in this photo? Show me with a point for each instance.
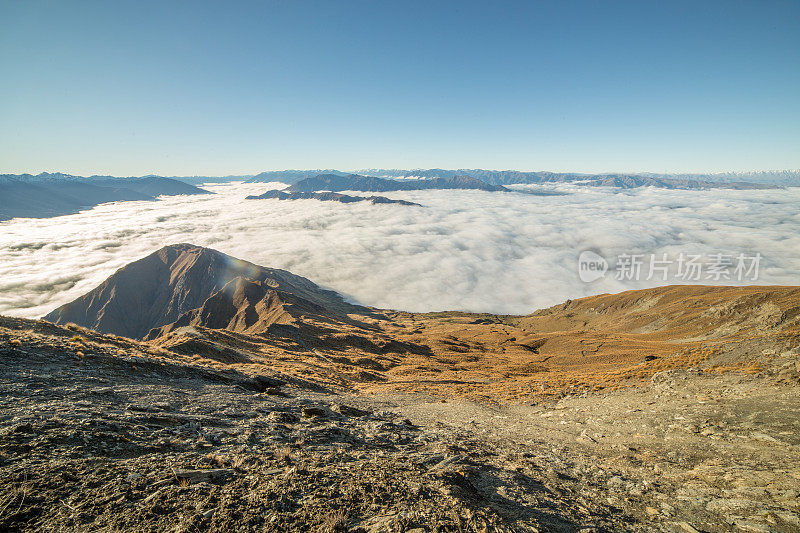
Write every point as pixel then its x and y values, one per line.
pixel 180 88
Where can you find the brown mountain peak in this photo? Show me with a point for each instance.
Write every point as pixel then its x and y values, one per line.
pixel 159 289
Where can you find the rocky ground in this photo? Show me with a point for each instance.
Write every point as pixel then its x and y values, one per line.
pixel 690 451
pixel 101 433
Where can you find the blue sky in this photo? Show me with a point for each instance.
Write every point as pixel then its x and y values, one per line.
pixel 181 88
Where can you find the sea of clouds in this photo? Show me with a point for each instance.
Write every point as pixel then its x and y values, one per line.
pixel 464 250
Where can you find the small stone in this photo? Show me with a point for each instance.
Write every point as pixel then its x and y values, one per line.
pixel 721 505
pixel 347 410
pixel 197 476
pixel 789 518
pixel 262 383
pixel 763 437
pixel 281 417
pixel 752 526
pixel 152 496
pixel 445 463
pixel 314 412
pixel 616 481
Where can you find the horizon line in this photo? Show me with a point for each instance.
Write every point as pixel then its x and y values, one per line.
pixel 407 169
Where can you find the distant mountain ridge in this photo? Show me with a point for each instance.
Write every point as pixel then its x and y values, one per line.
pixel 490 181
pixel 356 182
pixel 325 187
pixel 328 197
pixel 290 176
pixel 47 195
pixel 507 177
pixel 746 179
pixel 738 180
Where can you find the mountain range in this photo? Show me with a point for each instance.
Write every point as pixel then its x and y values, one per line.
pixel 48 195
pixel 327 197
pixel 355 182
pixel 324 186
pixel 489 181
pixel 53 194
pixel 740 180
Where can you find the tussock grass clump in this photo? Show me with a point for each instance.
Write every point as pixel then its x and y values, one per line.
pixel 335 521
pixel 284 455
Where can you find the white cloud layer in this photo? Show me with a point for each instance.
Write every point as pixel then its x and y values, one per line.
pixel 465 250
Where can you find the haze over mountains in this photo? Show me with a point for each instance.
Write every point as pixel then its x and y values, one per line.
pixel 326 197
pixel 325 186
pixel 508 177
pixel 355 182
pixel 48 195
pixel 53 194
pixel 503 177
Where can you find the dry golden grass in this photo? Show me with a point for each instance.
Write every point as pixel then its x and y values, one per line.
pixel 284 455
pixel 598 343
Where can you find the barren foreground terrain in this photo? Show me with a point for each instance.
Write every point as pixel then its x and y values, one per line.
pixel 264 403
pixel 105 433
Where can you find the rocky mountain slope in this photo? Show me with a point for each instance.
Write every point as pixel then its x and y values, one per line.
pixel 48 195
pixel 160 288
pixel 245 305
